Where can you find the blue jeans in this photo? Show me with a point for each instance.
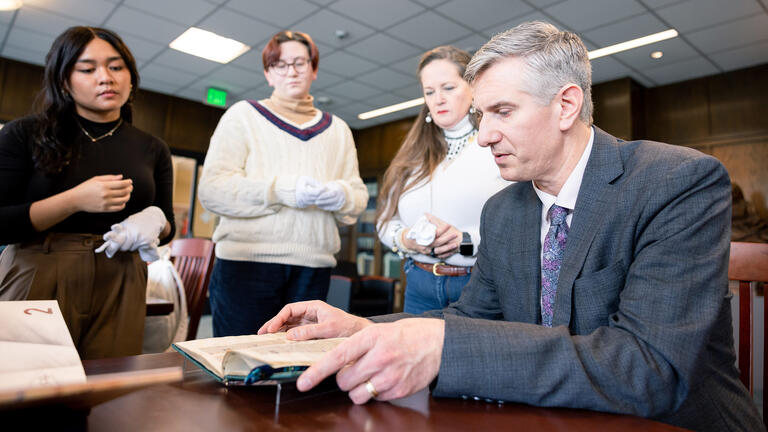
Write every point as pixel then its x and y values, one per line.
pixel 424 291
pixel 244 295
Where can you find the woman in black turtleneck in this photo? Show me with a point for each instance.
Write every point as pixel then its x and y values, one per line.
pixel 71 173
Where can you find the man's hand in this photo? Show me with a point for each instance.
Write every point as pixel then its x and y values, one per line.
pixel 398 359
pixel 314 320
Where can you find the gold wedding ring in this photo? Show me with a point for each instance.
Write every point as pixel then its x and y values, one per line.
pixel 371 389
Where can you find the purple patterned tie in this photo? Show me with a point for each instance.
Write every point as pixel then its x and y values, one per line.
pixel 552 258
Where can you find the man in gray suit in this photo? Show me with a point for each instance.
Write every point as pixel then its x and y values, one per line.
pixel 601 279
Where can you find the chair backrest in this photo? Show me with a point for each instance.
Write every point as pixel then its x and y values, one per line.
pixel 379 287
pixel 339 292
pixel 749 263
pixel 193 258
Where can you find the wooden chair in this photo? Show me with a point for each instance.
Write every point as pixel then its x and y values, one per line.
pixel 339 292
pixel 749 263
pixel 375 297
pixel 193 259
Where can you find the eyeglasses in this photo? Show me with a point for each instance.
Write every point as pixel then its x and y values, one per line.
pixel 299 65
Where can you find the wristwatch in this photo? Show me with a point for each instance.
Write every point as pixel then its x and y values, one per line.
pixel 466 247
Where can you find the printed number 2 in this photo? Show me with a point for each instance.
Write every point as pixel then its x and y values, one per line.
pixel 28 311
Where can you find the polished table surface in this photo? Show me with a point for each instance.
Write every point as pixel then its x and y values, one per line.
pixel 199 403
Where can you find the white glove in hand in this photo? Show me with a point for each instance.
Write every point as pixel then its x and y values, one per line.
pixel 332 197
pixel 422 231
pixel 138 231
pixel 307 191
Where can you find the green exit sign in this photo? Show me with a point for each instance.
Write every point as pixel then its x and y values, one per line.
pixel 216 97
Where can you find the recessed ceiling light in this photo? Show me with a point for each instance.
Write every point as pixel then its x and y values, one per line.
pixel 208 45
pixel 390 109
pixel 8 5
pixel 634 43
pixel 657 55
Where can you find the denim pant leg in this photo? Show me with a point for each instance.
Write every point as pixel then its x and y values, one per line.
pixel 422 290
pixel 453 287
pixel 307 283
pixel 244 295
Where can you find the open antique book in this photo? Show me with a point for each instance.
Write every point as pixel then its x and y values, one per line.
pixel 255 359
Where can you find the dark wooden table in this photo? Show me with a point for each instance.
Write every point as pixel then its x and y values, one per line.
pixel 200 404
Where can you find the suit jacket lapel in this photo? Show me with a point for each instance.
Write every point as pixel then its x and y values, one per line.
pixel 595 196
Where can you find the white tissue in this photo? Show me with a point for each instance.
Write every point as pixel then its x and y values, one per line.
pixel 423 232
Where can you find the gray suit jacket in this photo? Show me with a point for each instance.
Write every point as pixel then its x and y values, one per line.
pixel 642 320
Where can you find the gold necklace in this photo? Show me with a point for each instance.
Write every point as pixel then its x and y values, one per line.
pixel 108 134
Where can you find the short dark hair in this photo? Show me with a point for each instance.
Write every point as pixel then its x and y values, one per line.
pixel 271 53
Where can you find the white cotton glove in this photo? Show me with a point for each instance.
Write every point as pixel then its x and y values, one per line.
pixel 422 231
pixel 139 231
pixel 307 191
pixel 332 197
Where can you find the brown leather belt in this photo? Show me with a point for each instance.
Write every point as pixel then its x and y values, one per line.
pixel 443 269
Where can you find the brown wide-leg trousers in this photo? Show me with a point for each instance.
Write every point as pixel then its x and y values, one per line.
pixel 102 299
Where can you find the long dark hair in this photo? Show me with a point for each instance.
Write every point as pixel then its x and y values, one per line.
pixel 55 107
pixel 423 148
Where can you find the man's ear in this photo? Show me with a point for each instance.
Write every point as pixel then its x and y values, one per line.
pixel 571 99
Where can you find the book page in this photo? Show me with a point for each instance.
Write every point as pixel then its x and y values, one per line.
pixel 250 349
pixel 36 345
pixel 240 361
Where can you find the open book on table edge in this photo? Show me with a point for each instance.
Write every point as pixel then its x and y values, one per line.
pixel 266 359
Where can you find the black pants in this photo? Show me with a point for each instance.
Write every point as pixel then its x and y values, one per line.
pixel 244 295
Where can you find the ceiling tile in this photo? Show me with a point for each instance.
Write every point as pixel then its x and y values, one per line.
pixel 628 29
pixel 471 43
pixel 158 86
pixel 430 3
pixel 237 76
pixel 281 14
pixel 334 102
pixel 409 92
pixel 742 57
pixel 92 11
pixel 580 14
pixel 543 3
pixel 346 65
pixel 173 77
pixel 733 34
pixel 385 48
pixel 238 26
pixel 440 30
pixel 34 41
pixel 6 16
pixel 24 54
pixel 250 60
pixel 141 49
pixel 699 14
pixel 326 79
pixel 675 50
pixel 352 90
pixel 199 89
pixel 322 27
pixel 193 94
pixel 408 66
pixel 186 62
pixel 685 70
pixel 480 14
pixel 534 16
pixel 385 79
pixel 376 13
pixel 655 4
pixel 384 99
pixel 43 22
pixel 186 12
pixel 258 93
pixel 130 21
pixel 607 69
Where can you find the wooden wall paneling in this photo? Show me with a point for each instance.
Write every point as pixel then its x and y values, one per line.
pixel 737 101
pixel 678 113
pixel 150 111
pixel 367 142
pixel 613 107
pixel 19 86
pixel 392 139
pixel 637 93
pixel 189 125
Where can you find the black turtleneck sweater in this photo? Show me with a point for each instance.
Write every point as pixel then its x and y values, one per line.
pixel 130 152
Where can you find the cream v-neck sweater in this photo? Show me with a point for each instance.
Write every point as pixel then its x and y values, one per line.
pixel 249 179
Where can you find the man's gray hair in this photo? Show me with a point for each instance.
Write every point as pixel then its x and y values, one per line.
pixel 554 58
